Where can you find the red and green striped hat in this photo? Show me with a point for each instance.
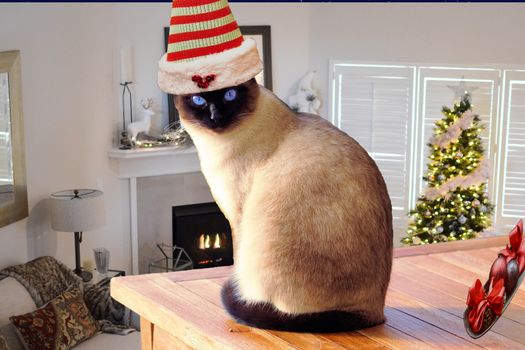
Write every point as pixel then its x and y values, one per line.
pixel 206 50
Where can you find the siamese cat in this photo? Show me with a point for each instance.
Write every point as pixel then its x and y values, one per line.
pixel 309 210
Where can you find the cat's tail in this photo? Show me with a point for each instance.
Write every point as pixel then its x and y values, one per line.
pixel 266 316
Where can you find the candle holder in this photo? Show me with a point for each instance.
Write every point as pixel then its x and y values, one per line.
pixel 125 142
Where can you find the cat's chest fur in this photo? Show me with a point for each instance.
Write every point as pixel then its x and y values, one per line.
pixel 229 169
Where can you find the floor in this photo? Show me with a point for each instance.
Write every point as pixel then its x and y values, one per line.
pixel 425 304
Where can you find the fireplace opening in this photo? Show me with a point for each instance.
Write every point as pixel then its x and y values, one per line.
pixel 204 233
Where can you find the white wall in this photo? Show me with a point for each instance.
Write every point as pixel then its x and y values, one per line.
pixel 71 102
pixel 454 33
pixel 71 97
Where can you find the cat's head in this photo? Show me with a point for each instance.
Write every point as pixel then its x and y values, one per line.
pixel 219 110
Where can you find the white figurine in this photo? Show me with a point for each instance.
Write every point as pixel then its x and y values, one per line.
pixel 306 99
pixel 142 125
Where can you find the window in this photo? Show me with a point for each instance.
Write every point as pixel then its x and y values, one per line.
pixel 391 110
pixel 510 189
pixel 373 104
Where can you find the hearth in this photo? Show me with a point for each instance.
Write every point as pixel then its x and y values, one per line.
pixel 204 233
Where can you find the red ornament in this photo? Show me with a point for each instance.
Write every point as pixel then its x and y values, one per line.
pixel 512 276
pixel 203 82
pixel 499 269
pixel 478 302
pixel 516 249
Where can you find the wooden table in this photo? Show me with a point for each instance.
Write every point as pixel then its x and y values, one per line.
pixel 425 302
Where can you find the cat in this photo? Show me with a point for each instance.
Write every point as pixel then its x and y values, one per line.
pixel 309 210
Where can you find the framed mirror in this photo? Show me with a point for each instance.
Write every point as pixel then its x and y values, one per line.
pixel 13 190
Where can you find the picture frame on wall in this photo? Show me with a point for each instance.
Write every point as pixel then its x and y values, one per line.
pixel 262 36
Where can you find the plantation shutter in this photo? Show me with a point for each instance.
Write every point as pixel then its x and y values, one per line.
pixel 434 93
pixel 511 197
pixel 374 105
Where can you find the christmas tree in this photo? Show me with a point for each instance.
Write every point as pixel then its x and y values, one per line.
pixel 455 206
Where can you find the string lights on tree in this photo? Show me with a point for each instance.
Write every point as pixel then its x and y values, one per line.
pixel 455 205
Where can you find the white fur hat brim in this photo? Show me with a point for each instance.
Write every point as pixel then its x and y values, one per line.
pixel 231 67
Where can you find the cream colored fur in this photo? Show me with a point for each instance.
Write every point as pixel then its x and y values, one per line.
pixel 231 67
pixel 309 210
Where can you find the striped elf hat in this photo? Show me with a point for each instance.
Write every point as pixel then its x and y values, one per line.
pixel 206 50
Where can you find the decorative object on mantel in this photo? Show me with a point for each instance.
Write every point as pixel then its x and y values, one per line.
pixel 77 211
pixel 126 77
pixel 142 126
pixel 486 303
pixel 306 99
pixel 177 260
pixel 173 134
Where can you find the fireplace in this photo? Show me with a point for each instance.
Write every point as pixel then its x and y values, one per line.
pixel 204 233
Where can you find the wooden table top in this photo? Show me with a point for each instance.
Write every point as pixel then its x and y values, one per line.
pixel 425 305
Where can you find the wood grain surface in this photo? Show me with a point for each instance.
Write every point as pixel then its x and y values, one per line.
pixel 424 308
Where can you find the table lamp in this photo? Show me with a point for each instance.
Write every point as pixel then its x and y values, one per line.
pixel 77 211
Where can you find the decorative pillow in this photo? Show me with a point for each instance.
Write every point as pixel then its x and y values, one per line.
pixel 60 324
pixel 3 344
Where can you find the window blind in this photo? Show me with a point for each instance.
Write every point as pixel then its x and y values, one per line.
pixel 374 105
pixel 511 192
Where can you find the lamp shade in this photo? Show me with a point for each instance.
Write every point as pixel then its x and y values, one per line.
pixel 77 210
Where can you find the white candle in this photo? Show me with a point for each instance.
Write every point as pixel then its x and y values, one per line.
pixel 88 265
pixel 126 65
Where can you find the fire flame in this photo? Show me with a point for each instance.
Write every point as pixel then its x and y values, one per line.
pixel 205 241
pixel 217 243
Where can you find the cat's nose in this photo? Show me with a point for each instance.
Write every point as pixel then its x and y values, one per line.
pixel 214 113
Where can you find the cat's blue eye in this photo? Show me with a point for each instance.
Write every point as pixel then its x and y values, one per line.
pixel 230 95
pixel 198 100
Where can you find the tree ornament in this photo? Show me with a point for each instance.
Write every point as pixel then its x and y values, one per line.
pixel 499 268
pixel 439 229
pixel 462 219
pixel 459 155
pixel 512 276
pixel 483 209
pixel 441 177
pixel 475 203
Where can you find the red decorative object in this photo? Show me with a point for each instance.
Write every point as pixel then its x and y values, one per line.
pixel 516 249
pixel 506 274
pixel 203 82
pixel 499 268
pixel 478 303
pixel 512 276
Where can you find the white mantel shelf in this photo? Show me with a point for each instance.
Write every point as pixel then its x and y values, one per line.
pixel 135 163
pixel 154 161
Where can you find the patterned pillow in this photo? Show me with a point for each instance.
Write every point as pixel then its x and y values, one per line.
pixel 3 344
pixel 60 324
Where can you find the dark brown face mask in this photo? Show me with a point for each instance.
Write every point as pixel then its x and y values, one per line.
pixel 221 109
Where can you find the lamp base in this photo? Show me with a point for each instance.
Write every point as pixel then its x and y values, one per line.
pixel 85 275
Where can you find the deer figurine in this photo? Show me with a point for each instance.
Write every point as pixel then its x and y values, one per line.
pixel 142 125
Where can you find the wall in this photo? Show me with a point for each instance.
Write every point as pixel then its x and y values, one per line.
pixel 71 97
pixel 451 33
pixel 69 112
pixel 71 101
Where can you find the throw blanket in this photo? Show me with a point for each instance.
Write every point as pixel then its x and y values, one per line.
pixel 45 278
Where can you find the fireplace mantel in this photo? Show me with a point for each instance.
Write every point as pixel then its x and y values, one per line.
pixel 135 163
pixel 154 161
